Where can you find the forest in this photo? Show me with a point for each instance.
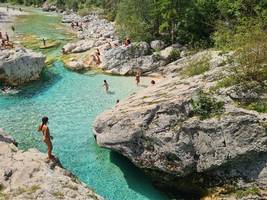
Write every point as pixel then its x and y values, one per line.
pixel 197 23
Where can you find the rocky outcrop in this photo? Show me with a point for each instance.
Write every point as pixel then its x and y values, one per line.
pixel 20 65
pixel 76 65
pixel 26 175
pixel 49 7
pixel 161 132
pixel 157 45
pixel 125 60
pixel 70 17
pixel 80 46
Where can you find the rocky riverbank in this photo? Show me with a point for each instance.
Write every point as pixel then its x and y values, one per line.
pixel 189 135
pixel 95 33
pixel 27 175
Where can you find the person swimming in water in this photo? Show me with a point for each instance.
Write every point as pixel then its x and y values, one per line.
pixel 106 85
pixel 46 137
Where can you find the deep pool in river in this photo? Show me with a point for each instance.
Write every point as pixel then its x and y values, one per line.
pixel 72 101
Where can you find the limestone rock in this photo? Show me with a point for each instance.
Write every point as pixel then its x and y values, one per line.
pixel 26 175
pixel 76 65
pixel 70 17
pixel 167 52
pixel 78 47
pixel 20 65
pixel 48 7
pixel 157 45
pixel 158 131
pixel 125 60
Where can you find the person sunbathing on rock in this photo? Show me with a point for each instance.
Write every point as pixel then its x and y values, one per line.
pixel 63 51
pixel 46 137
pixel 72 25
pixel 109 46
pixel 127 42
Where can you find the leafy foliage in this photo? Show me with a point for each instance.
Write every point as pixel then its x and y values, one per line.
pixel 206 106
pixel 246 192
pixel 190 22
pixel 260 106
pixel 175 55
pixel 197 67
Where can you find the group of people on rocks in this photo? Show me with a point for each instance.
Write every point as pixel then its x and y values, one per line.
pixel 95 58
pixel 78 25
pixel 4 38
pixel 5 41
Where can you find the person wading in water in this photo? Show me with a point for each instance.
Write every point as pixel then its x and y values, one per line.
pixel 46 137
pixel 106 85
pixel 137 77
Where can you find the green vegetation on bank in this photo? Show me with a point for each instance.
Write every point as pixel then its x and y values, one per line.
pixel 206 106
pixel 193 22
pixel 197 67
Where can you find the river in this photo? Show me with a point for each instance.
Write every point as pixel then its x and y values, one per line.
pixel 72 101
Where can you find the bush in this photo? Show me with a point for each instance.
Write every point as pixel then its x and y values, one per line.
pixel 174 55
pixel 249 42
pixel 206 106
pixel 225 82
pixel 251 62
pixel 197 67
pixel 260 106
pixel 84 11
pixel 247 192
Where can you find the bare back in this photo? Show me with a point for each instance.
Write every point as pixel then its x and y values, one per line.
pixel 46 133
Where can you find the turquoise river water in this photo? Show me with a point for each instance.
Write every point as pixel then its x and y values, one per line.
pixel 72 101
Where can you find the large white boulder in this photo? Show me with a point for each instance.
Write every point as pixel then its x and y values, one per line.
pixel 157 44
pixel 20 65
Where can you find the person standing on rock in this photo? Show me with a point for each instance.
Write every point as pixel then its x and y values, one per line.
pixel 46 137
pixel 97 56
pixel 44 42
pixel 106 85
pixel 7 37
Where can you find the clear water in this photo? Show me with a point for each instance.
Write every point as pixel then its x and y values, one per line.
pixel 72 101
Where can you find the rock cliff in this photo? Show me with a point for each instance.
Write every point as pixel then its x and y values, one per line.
pixel 163 130
pixel 26 175
pixel 20 65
